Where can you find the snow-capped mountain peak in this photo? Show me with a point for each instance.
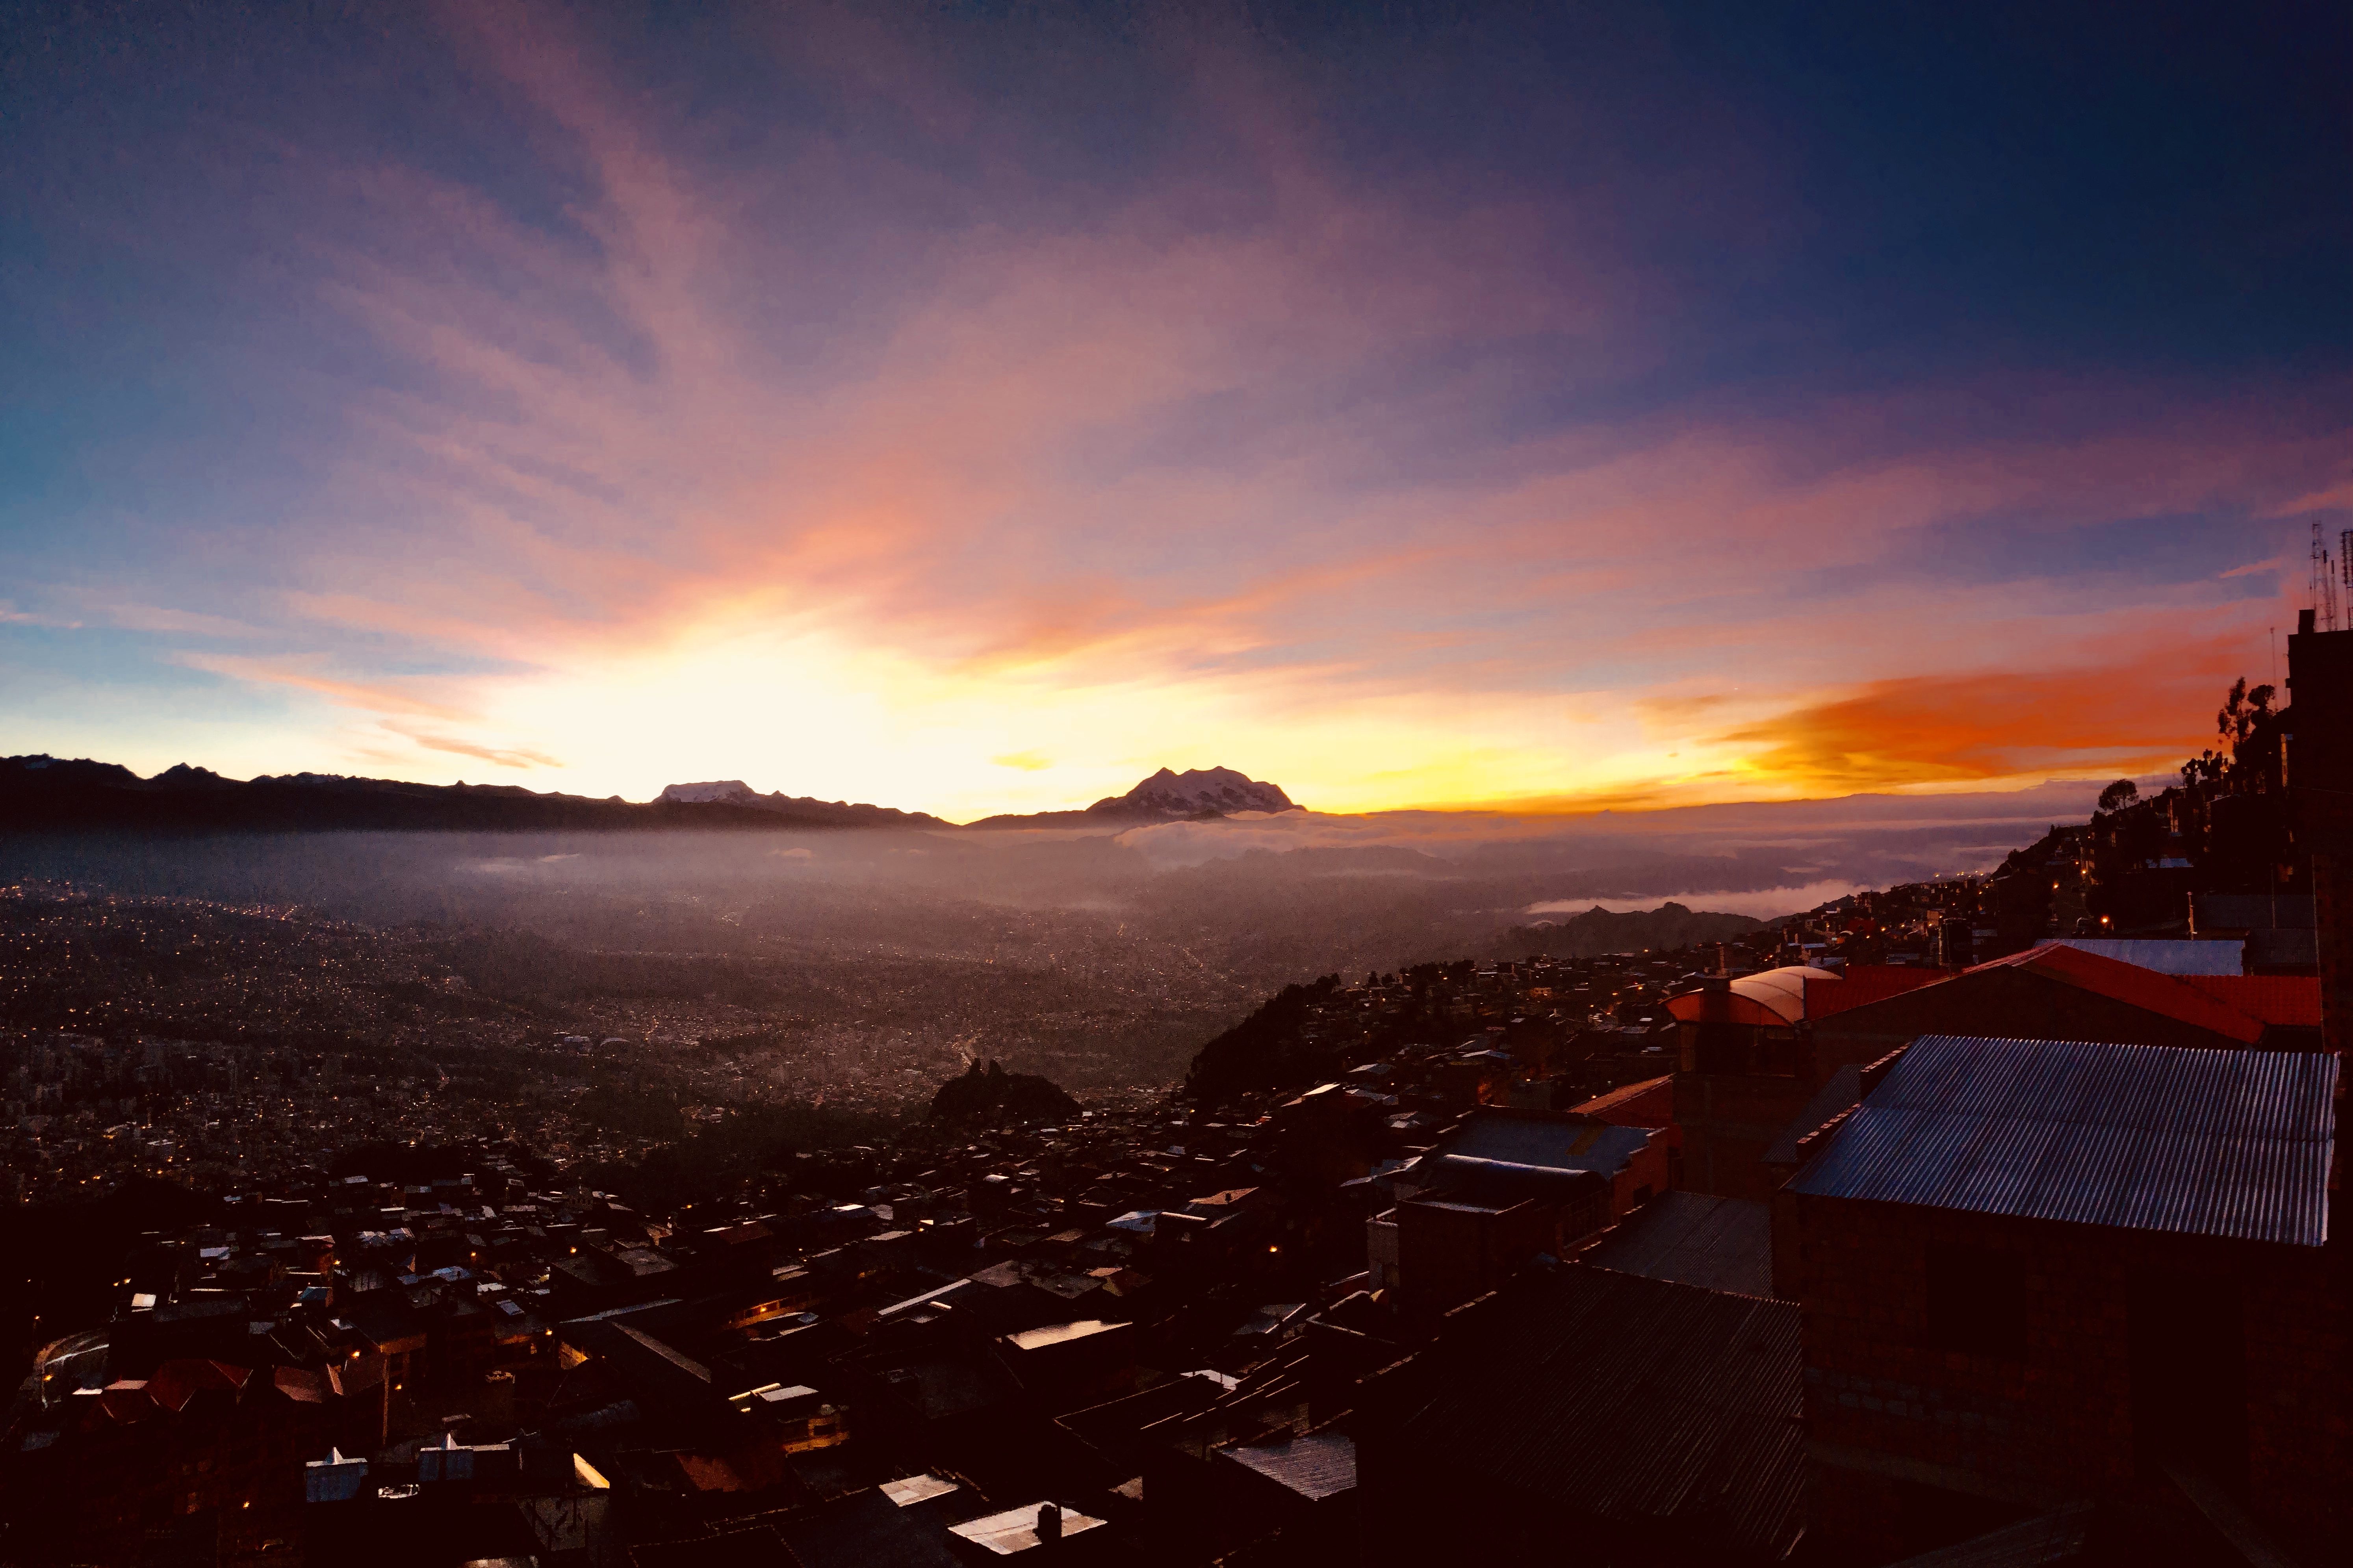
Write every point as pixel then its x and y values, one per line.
pixel 702 794
pixel 1197 792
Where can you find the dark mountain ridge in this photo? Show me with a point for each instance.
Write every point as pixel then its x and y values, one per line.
pixel 1599 931
pixel 801 807
pixel 44 794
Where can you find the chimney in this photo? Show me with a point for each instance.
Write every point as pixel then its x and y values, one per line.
pixel 1050 1522
pixel 2320 776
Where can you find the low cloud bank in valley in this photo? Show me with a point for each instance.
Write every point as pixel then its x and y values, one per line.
pixel 1096 957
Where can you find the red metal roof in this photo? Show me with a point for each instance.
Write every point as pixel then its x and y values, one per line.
pixel 2170 995
pixel 176 1382
pixel 1650 1103
pixel 1861 983
pixel 296 1384
pixel 2286 999
pixel 127 1400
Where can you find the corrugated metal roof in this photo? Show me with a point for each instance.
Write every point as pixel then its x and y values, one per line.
pixel 1316 1466
pixel 2167 957
pixel 1626 1398
pixel 1719 1244
pixel 2221 1143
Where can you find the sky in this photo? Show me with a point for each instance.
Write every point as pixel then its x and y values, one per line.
pixel 974 407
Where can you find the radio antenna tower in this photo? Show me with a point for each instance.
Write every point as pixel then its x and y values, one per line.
pixel 2323 578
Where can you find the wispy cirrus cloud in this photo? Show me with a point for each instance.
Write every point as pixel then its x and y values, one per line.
pixel 505 759
pixel 303 674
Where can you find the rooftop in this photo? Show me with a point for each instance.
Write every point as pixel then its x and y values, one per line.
pixel 2205 1142
pixel 2148 989
pixel 1315 1466
pixel 2288 1000
pixel 1552 1139
pixel 1692 1238
pixel 1630 1399
pixel 2167 957
pixel 1016 1530
pixel 1650 1103
pixel 1775 998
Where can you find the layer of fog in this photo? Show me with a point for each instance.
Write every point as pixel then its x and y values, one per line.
pixel 1253 898
pixel 1097 957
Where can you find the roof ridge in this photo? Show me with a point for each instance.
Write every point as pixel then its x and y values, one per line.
pixel 2116 980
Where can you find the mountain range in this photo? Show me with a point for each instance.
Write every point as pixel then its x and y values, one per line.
pixel 48 793
pixel 1196 794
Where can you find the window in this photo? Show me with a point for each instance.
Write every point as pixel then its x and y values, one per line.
pixel 1977 1301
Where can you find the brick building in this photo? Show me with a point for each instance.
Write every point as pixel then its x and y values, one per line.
pixel 2038 1271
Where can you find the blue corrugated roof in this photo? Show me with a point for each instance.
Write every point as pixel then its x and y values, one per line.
pixel 2167 957
pixel 2223 1142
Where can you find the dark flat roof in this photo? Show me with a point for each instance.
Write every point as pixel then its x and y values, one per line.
pixel 1626 1399
pixel 1721 1243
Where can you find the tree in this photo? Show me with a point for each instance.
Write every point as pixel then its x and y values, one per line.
pixel 2119 795
pixel 2253 728
pixel 2243 713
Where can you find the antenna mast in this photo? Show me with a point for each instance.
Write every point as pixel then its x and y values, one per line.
pixel 2324 577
